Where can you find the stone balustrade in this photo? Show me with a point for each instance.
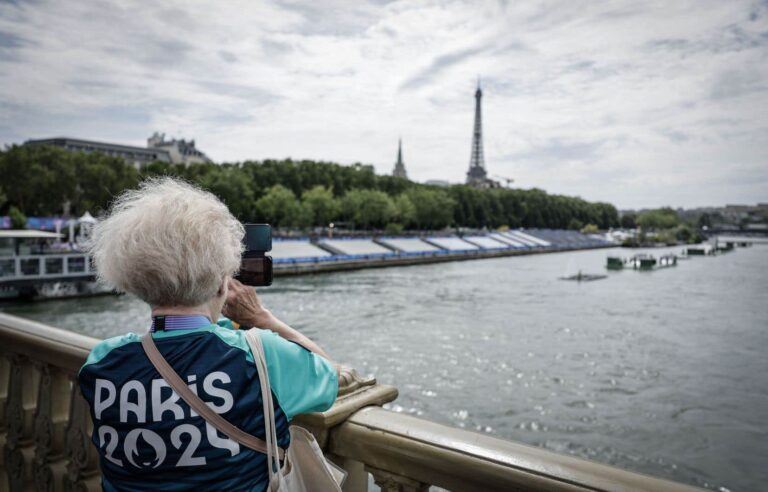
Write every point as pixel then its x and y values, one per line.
pixel 45 430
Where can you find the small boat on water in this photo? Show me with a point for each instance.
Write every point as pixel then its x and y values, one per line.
pixel 38 265
pixel 616 263
pixel 667 261
pixel 700 250
pixel 641 261
pixel 584 277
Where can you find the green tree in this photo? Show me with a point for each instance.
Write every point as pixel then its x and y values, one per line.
pixel 99 179
pixel 18 219
pixel 278 207
pixel 658 219
pixel 38 179
pixel 628 221
pixel 575 224
pixel 434 208
pixel 230 184
pixel 321 207
pixel 393 229
pixel 367 208
pixel 684 234
pixel 43 180
pixel 405 210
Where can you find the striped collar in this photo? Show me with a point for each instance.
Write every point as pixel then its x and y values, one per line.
pixel 179 322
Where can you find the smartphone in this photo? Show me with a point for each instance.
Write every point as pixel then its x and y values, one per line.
pixel 256 265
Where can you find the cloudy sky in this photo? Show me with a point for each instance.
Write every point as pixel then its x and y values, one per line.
pixel 637 103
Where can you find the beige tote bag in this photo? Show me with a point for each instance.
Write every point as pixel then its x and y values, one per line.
pixel 305 467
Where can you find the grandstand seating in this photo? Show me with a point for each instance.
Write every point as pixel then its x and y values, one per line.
pixel 486 242
pixel 408 244
pixel 344 249
pixel 295 248
pixel 452 243
pixel 356 246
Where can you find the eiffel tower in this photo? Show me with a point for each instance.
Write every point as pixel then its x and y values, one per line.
pixel 477 175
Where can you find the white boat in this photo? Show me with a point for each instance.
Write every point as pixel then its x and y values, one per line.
pixel 35 264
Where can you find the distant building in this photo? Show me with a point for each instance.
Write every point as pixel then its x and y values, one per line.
pixel 138 156
pixel 181 151
pixel 158 149
pixel 399 171
pixel 757 227
pixel 437 182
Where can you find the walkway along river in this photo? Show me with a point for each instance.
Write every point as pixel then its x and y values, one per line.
pixel 660 372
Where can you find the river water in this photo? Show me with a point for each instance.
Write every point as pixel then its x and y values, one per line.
pixel 661 372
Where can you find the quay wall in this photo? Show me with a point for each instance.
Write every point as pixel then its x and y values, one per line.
pixel 288 268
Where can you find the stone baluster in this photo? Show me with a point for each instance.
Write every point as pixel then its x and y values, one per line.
pixel 50 421
pixel 355 392
pixel 390 482
pixel 5 374
pixel 82 468
pixel 18 451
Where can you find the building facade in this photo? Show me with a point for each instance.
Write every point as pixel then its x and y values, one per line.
pixel 158 149
pixel 138 156
pixel 181 151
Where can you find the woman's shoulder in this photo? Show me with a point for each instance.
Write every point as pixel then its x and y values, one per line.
pixel 105 347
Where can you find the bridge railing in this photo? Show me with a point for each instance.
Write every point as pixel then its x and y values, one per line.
pixel 45 431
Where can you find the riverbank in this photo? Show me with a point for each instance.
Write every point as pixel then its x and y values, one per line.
pixel 384 261
pixel 301 256
pixel 46 276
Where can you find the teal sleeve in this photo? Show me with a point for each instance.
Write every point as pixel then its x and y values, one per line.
pixel 301 380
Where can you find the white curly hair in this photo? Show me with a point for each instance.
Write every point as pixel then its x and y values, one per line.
pixel 167 242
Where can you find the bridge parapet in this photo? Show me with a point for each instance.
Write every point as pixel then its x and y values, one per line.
pixel 45 430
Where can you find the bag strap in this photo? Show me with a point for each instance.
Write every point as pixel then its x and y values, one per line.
pixel 217 421
pixel 257 349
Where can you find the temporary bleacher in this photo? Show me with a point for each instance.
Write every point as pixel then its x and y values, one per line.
pixel 562 238
pixel 409 244
pixel 355 247
pixel 536 240
pixel 486 242
pixel 506 239
pixel 293 250
pixel 452 243
pixel 522 240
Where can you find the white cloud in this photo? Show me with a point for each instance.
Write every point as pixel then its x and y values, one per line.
pixel 637 104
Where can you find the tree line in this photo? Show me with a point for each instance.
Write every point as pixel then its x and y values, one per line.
pixel 45 180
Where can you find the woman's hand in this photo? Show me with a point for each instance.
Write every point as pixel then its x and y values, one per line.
pixel 243 306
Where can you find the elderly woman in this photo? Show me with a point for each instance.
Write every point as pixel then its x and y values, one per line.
pixel 176 247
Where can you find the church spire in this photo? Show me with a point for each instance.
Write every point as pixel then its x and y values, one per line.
pixel 400 165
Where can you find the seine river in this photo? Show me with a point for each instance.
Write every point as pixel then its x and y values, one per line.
pixel 663 372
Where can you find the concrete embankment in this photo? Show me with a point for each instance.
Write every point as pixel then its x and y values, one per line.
pixel 302 268
pixel 302 256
